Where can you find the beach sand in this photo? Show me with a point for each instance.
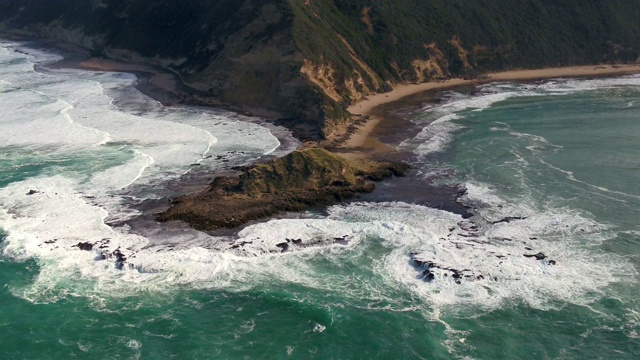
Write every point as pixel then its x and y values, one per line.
pixel 361 143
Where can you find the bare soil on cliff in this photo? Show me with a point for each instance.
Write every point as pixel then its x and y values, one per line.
pixel 377 127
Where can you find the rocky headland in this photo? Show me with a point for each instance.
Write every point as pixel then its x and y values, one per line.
pixel 300 180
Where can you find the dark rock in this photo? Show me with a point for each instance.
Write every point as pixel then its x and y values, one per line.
pixel 86 246
pixel 508 219
pixel 426 273
pixel 428 276
pixel 33 192
pixel 119 255
pixel 240 244
pixel 283 246
pixel 502 239
pixel 538 256
pixel 121 259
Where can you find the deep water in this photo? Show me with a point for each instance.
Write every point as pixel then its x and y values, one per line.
pixel 559 159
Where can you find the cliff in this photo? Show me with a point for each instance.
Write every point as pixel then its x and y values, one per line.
pixel 308 59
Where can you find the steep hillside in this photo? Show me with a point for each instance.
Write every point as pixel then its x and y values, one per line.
pixel 240 52
pixel 356 47
pixel 307 59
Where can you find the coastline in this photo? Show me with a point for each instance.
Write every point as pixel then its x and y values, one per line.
pixel 361 144
pixel 166 88
pixel 358 142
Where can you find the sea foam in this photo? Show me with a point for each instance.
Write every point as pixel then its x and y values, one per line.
pixel 86 155
pixel 441 120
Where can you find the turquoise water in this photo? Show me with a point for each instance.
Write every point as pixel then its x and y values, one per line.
pixel 560 156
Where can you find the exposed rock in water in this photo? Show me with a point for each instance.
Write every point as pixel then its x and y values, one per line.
pixel 538 256
pixel 302 179
pixel 86 246
pixel 427 269
pixel 509 219
pixel 259 246
pixel 283 246
pixel 542 257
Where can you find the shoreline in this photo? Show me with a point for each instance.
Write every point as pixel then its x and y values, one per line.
pixel 168 90
pixel 198 182
pixel 361 143
pixel 355 142
pixel 364 107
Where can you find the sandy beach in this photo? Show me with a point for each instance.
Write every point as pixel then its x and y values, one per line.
pixel 361 144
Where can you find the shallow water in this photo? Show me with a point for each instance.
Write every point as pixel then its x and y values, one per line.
pixel 560 156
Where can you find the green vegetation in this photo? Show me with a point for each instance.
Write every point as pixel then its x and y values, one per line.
pixel 496 34
pixel 301 179
pixel 165 28
pixel 301 170
pixel 250 53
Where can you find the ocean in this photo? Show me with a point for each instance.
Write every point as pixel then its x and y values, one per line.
pixel 546 266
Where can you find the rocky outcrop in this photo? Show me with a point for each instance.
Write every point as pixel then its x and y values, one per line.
pixel 302 179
